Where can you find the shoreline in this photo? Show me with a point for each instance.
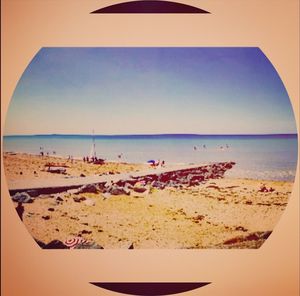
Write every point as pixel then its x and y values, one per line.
pixel 78 158
pixel 237 173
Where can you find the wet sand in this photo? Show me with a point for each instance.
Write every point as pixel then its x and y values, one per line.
pixel 220 213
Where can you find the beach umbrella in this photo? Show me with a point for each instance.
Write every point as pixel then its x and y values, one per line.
pixel 73 242
pixel 151 161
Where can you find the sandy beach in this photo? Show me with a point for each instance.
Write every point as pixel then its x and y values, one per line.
pixel 22 166
pixel 216 213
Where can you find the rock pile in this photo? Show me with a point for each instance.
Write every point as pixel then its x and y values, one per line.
pixel 89 188
pixel 141 185
pixel 251 240
pixel 177 179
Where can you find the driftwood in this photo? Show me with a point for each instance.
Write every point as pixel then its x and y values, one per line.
pixel 56 170
pixel 53 164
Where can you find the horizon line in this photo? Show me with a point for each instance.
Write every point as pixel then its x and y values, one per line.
pixel 154 134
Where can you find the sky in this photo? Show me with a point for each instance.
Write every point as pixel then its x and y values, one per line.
pixel 150 91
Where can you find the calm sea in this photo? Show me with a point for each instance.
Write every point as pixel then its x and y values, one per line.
pixel 271 157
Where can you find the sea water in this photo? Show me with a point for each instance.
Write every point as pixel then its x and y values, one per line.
pixel 271 157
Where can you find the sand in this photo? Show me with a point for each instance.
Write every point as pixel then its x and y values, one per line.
pixel 22 166
pixel 221 213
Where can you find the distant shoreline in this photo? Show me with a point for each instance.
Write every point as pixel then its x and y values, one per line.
pixel 271 157
pixel 78 159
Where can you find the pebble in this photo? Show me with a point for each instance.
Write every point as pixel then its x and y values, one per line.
pixel 46 217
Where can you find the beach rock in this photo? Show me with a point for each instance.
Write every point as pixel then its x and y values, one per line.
pixel 59 198
pixel 51 210
pixel 127 190
pixel 132 181
pixel 197 178
pixel 85 231
pixel 139 189
pixel 128 185
pixel 116 190
pixel 241 228
pixel 82 175
pixel 89 188
pixel 121 183
pixel 254 236
pixel 106 195
pixel 153 177
pixel 198 218
pixel 263 188
pixel 229 165
pixel 158 184
pixel 101 186
pixel 164 178
pixel 194 180
pixel 74 218
pixel 47 217
pixel 79 199
pixel 171 183
pixel 22 197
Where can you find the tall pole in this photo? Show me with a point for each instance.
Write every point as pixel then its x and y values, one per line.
pixel 94 144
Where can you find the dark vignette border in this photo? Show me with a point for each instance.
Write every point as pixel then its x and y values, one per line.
pixel 150 288
pixel 150 6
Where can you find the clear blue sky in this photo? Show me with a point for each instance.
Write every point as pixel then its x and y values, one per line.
pixel 150 90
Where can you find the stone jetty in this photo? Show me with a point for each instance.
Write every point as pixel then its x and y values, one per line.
pixel 140 182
